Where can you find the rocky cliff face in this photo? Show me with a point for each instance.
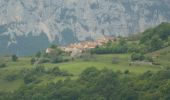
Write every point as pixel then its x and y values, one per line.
pixel 67 21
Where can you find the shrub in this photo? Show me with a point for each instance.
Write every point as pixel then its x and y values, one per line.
pixel 14 58
pixel 39 69
pixel 30 75
pixel 2 65
pixel 126 72
pixel 118 72
pixel 29 79
pixel 89 73
pixel 43 60
pixel 56 59
pixel 149 59
pixel 57 72
pixel 11 77
pixel 137 56
pixel 146 75
pixel 33 60
pixel 38 54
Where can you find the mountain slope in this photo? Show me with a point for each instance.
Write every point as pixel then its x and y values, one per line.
pixel 68 21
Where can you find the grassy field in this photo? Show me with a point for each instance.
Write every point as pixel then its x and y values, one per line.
pixel 121 63
pixel 105 61
pixel 162 56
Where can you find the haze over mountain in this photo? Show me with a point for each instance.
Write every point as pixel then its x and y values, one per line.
pixel 27 24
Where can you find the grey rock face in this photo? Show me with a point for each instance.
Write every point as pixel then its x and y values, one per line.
pixel 73 20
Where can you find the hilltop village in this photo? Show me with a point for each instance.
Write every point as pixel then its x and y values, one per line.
pixel 76 49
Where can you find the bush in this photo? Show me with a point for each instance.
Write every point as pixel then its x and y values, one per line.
pixel 2 65
pixel 38 54
pixel 14 58
pixel 126 72
pixel 137 57
pixel 56 59
pixel 146 75
pixel 149 59
pixel 39 69
pixel 89 73
pixel 33 60
pixel 29 79
pixel 31 75
pixel 11 77
pixel 57 72
pixel 118 72
pixel 43 60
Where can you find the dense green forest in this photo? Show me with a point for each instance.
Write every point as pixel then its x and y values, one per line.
pixel 94 84
pixel 151 40
pixel 130 68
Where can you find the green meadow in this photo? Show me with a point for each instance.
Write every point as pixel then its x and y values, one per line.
pixel 115 62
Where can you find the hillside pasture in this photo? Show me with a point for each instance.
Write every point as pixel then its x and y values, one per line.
pixel 115 62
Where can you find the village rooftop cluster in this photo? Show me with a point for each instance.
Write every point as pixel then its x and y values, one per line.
pixel 76 49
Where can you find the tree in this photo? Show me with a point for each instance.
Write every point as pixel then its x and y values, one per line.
pixel 38 54
pixel 2 65
pixel 122 41
pixel 54 46
pixel 89 73
pixel 137 56
pixel 156 43
pixel 107 84
pixel 126 72
pixel 29 79
pixel 169 40
pixel 165 89
pixel 14 58
pixel 33 61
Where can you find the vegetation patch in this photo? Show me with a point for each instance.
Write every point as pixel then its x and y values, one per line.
pixel 99 85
